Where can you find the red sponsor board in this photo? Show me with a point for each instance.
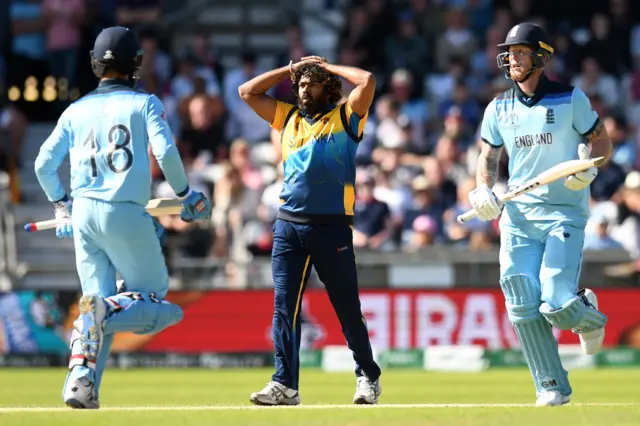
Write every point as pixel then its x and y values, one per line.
pixel 235 321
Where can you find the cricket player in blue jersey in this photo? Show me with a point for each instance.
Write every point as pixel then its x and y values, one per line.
pixel 106 134
pixel 540 124
pixel 319 142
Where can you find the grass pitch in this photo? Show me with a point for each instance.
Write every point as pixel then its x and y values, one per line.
pixel 221 397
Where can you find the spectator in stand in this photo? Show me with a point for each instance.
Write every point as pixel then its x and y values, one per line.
pixel 424 202
pixel 207 57
pixel 202 134
pixel 295 49
pixel 63 21
pixel 449 156
pixel 597 236
pixel 609 180
pixel 407 49
pixel 605 46
pixel 416 109
pixel 467 107
pixel 624 148
pixel 627 230
pixel 190 68
pixel 13 128
pixel 457 41
pixel 474 234
pixel 592 81
pixel 28 48
pixel 446 187
pixel 239 158
pixel 242 121
pixel 372 218
pixel 424 233
pixel 155 59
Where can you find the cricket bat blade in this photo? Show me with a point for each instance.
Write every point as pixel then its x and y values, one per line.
pixel 156 207
pixel 553 174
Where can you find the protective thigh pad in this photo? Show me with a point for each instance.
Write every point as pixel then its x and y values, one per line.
pixel 539 346
pixel 576 314
pixel 140 313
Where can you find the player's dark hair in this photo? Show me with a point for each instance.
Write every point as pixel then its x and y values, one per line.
pixel 332 84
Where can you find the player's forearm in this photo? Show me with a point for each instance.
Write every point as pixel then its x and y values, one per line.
pixel 47 174
pixel 599 142
pixel 487 170
pixel 260 84
pixel 355 76
pixel 171 165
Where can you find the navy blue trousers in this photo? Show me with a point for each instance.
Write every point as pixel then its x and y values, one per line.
pixel 329 249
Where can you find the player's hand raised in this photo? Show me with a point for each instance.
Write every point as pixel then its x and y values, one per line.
pixel 62 210
pixel 195 206
pixel 581 180
pixel 485 203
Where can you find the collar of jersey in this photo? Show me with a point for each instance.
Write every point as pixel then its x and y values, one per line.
pixel 115 82
pixel 530 101
pixel 304 114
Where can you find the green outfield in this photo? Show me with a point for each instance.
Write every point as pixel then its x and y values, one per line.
pixel 162 397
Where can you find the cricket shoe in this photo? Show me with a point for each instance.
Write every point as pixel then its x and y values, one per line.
pixel 79 394
pixel 93 311
pixel 367 392
pixel 275 394
pixel 591 341
pixel 552 398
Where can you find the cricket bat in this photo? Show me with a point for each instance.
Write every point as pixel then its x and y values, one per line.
pixel 559 171
pixel 156 207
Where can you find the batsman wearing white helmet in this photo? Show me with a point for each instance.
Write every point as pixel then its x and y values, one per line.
pixel 541 123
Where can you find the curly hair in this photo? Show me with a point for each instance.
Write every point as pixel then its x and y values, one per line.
pixel 331 82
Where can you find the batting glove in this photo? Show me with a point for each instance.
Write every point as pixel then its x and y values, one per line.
pixel 62 210
pixel 485 203
pixel 195 206
pixel 581 180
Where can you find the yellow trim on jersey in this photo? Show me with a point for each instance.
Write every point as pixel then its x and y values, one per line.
pixel 282 109
pixel 299 301
pixel 363 120
pixel 349 199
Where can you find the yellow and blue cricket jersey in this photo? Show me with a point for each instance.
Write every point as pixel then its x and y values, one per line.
pixel 318 154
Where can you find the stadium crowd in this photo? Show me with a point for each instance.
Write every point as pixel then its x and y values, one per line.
pixel 436 71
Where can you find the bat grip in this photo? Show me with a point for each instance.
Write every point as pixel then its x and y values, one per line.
pixel 465 217
pixel 45 224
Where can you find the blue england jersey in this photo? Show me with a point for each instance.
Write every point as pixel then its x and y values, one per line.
pixel 538 133
pixel 107 134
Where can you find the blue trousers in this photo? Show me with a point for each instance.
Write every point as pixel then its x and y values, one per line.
pixel 120 237
pixel 551 256
pixel 329 249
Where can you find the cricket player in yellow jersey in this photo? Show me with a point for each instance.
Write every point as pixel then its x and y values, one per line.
pixel 319 142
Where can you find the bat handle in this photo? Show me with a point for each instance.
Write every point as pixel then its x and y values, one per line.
pixel 45 224
pixel 465 217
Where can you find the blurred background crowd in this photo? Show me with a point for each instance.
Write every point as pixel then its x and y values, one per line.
pixel 436 70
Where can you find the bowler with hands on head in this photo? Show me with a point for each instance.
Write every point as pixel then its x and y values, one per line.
pixel 319 139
